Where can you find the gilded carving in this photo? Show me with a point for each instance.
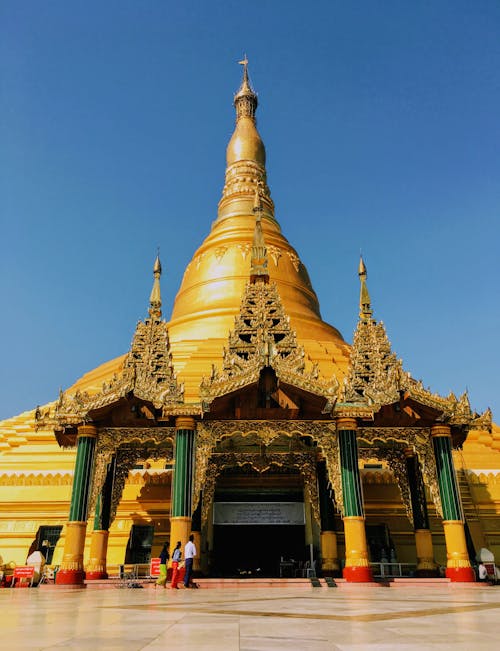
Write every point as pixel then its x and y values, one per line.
pixel 417 438
pixel 262 337
pixel 147 372
pixel 305 462
pixel 130 445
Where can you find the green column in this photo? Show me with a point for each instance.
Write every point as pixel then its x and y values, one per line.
pixel 447 479
pixel 458 566
pixel 71 570
pixel 183 473
pixel 78 511
pixel 351 481
pixel 357 566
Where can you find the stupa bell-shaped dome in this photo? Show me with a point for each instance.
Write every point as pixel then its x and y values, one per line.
pixel 211 291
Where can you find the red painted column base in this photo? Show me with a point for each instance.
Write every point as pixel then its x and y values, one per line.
pixel 354 574
pixel 70 577
pixel 461 574
pixel 95 576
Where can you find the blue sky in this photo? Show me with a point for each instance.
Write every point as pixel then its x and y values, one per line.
pixel 381 126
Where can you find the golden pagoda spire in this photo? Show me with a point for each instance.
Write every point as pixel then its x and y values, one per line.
pixel 155 298
pixel 365 311
pixel 258 265
pixel 245 158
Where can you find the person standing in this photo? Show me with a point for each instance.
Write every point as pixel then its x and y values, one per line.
pixel 176 557
pixel 162 579
pixel 189 554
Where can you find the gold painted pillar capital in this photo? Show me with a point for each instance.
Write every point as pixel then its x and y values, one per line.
pixel 185 422
pixel 346 423
pixel 440 430
pixel 87 431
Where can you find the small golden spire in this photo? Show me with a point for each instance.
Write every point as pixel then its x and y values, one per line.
pixel 245 100
pixel 365 311
pixel 155 298
pixel 258 264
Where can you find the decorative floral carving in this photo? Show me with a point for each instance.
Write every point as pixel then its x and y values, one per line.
pixel 129 445
pixel 305 462
pixel 262 337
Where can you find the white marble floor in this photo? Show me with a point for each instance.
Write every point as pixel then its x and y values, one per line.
pixel 311 619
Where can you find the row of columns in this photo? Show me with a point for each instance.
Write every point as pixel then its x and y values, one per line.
pixel 357 566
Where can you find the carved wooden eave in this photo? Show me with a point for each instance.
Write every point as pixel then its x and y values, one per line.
pixel 262 337
pixel 147 375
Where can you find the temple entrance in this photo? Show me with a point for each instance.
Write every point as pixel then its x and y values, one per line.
pixel 250 551
pixel 258 522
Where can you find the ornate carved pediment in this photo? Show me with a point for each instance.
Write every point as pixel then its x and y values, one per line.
pixel 262 337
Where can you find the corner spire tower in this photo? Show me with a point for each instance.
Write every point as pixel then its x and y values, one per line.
pixel 155 298
pixel 365 310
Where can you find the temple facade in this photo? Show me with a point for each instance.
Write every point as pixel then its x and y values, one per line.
pixel 249 421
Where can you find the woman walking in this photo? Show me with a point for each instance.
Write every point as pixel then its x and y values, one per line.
pixel 164 556
pixel 176 557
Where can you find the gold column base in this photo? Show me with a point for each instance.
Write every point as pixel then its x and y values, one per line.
pixel 180 529
pixel 426 565
pixel 458 567
pixel 96 567
pixel 329 554
pixel 357 566
pixel 71 571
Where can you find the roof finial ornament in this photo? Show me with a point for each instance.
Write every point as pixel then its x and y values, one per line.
pixel 155 298
pixel 365 311
pixel 245 100
pixel 258 264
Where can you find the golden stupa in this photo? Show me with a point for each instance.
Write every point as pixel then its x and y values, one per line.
pixel 210 294
pixel 36 469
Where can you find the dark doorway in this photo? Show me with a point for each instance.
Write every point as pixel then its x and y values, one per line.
pixel 250 551
pixel 139 544
pixel 46 541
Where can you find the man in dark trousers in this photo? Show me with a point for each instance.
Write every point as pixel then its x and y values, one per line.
pixel 189 554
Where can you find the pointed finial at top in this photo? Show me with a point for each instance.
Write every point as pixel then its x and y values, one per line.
pixel 155 298
pixel 365 311
pixel 245 100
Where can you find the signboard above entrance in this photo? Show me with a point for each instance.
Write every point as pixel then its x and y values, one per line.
pixel 258 513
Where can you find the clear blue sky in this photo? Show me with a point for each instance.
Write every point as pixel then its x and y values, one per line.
pixel 381 123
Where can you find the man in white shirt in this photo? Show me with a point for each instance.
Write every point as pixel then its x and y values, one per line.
pixel 189 554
